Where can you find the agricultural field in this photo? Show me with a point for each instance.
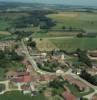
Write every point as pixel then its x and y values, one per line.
pixel 68 44
pixel 82 20
pixel 54 34
pixel 71 44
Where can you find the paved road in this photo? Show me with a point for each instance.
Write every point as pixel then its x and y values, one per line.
pixel 32 61
pixel 6 83
pixel 34 65
pixel 89 96
pixel 62 37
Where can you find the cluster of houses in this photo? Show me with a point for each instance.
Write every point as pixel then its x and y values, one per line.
pixel 26 81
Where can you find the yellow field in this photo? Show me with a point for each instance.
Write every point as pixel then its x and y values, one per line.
pixel 64 14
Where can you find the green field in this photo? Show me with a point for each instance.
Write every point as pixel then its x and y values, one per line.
pixel 78 20
pixel 83 20
pixel 71 44
pixel 19 96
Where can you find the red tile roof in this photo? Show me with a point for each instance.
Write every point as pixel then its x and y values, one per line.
pixel 23 77
pixel 68 96
pixel 76 82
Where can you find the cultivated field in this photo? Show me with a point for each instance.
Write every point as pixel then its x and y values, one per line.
pixel 68 43
pixel 54 34
pixel 71 44
pixel 83 20
pixel 64 14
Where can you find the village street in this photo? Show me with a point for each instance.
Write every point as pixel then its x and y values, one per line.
pixel 7 88
pixel 89 96
pixel 32 61
pixel 69 72
pixel 34 66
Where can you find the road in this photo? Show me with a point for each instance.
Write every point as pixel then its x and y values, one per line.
pixel 6 83
pixel 32 61
pixel 89 96
pixel 62 37
pixel 7 88
pixel 34 65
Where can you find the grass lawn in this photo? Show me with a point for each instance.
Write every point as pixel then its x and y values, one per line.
pixel 15 95
pixel 71 44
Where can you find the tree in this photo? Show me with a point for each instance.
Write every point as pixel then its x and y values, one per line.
pixel 32 44
pixel 63 27
pixel 80 35
pixel 92 79
pixel 82 55
pixel 70 29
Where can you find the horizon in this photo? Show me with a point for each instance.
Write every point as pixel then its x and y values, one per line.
pixel 64 2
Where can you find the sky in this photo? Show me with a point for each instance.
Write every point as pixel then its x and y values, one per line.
pixel 69 2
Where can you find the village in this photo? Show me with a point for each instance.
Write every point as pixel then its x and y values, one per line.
pixel 37 77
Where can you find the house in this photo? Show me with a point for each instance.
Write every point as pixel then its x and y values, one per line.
pixel 59 72
pixel 47 78
pixel 93 54
pixel 94 97
pixel 92 71
pixel 11 74
pixel 68 96
pixel 59 56
pixel 22 77
pixel 80 85
pixel 26 89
